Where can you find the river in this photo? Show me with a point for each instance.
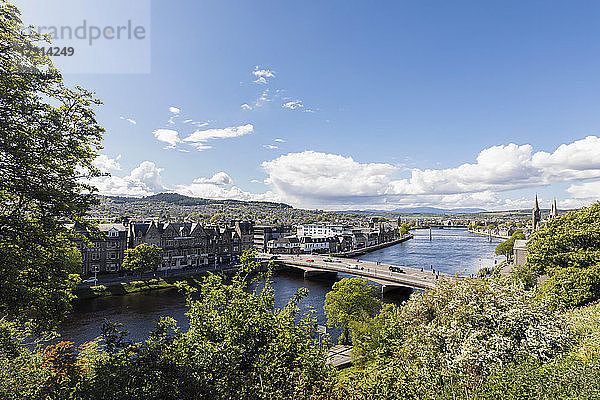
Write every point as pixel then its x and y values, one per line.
pixel 450 251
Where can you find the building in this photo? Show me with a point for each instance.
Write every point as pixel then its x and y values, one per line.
pixel 536 216
pixel 187 244
pixel 264 233
pixel 553 210
pixel 102 251
pixel 245 231
pixel 321 230
pixel 520 252
pixel 285 245
pixel 318 244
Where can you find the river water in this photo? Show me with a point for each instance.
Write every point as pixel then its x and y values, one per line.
pixel 449 250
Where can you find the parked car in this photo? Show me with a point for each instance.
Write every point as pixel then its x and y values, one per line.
pixel 310 260
pixel 353 266
pixel 396 269
pixel 90 280
pixel 327 260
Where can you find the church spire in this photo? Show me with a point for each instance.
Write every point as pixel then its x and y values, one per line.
pixel 536 215
pixel 554 210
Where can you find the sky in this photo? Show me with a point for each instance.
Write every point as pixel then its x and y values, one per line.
pixel 343 105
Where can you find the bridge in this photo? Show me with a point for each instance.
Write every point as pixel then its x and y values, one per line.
pixel 440 226
pixel 413 278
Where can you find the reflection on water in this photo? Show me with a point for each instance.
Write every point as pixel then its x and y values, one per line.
pixel 450 250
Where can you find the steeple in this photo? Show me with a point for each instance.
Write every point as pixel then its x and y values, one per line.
pixel 536 215
pixel 554 210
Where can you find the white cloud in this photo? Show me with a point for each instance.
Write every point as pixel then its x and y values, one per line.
pixel 104 163
pixel 130 120
pixel 266 73
pixel 279 140
pixel 143 180
pixel 198 139
pixel 245 106
pixel 328 179
pixel 508 167
pixel 586 190
pixel 255 181
pixel 261 80
pixel 262 75
pixel 270 146
pixel 293 105
pixel 310 174
pixel 199 124
pixel 174 110
pixel 169 136
pixel 264 98
pixel 220 179
pixel 187 121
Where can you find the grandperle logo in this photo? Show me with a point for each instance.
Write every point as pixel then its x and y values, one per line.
pixel 91 33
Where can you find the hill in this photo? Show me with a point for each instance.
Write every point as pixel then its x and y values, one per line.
pixel 181 200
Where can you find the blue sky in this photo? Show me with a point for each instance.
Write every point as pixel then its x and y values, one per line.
pixel 361 104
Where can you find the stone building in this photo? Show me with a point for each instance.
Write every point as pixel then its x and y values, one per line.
pixel 286 245
pixel 520 252
pixel 536 216
pixel 187 244
pixel 103 251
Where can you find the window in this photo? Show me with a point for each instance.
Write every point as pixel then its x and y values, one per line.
pixel 95 268
pixel 113 233
pixel 95 256
pixel 112 267
pixel 112 255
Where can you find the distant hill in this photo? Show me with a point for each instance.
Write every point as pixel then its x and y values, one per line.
pixel 424 210
pixel 434 210
pixel 181 200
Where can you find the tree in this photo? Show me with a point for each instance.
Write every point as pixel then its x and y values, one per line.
pixel 404 228
pixel 506 248
pixel 48 139
pixel 238 346
pixel 142 258
pixel 351 299
pixel 448 339
pixel 567 249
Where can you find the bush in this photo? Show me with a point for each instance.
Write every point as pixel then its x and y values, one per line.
pixel 567 249
pixel 449 339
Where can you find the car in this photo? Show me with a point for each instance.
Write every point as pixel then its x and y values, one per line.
pixel 327 260
pixel 396 269
pixel 90 280
pixel 310 260
pixel 353 266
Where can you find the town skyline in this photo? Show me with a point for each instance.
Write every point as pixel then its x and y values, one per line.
pixel 478 112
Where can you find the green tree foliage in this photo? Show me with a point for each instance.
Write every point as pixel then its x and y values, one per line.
pixel 404 228
pixel 351 299
pixel 567 249
pixel 144 257
pixel 48 139
pixel 506 248
pixel 238 346
pixel 448 338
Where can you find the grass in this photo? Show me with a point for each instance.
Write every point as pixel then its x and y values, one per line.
pixel 584 322
pixel 124 288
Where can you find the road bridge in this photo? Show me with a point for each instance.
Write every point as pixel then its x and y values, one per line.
pixel 376 272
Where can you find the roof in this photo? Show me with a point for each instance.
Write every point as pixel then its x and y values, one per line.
pixel 108 227
pixel 520 244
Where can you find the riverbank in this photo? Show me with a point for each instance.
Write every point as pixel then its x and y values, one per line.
pixel 369 249
pixel 125 288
